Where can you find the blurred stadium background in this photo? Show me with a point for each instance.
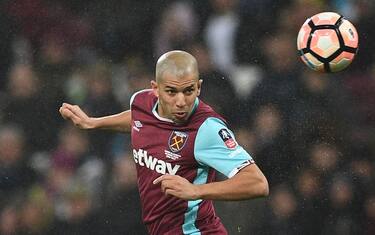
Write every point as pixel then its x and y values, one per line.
pixel 312 134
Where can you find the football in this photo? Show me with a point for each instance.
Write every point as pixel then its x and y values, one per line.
pixel 327 42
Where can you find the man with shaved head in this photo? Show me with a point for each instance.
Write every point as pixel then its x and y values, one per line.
pixel 178 143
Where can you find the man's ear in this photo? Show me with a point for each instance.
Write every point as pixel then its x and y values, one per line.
pixel 200 81
pixel 154 87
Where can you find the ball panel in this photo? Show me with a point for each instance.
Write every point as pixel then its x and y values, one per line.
pixel 349 34
pixel 303 36
pixel 325 42
pixel 343 55
pixel 340 66
pixel 341 61
pixel 312 62
pixel 325 18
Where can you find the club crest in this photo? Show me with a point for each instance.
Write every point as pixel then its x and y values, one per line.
pixel 177 141
pixel 227 138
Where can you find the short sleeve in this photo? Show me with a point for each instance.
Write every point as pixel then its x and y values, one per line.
pixel 216 147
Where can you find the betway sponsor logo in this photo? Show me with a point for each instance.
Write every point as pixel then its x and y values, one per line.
pixel 160 166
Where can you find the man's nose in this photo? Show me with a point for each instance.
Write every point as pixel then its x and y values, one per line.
pixel 180 100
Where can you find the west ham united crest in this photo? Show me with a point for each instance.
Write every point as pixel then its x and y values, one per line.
pixel 177 141
pixel 227 138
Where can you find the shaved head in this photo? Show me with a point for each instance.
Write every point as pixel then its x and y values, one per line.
pixel 177 85
pixel 176 63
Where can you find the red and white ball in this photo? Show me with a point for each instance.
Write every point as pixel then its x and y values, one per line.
pixel 327 42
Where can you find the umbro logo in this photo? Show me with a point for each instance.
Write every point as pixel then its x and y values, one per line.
pixel 137 125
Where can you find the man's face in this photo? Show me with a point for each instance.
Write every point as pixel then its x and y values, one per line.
pixel 176 96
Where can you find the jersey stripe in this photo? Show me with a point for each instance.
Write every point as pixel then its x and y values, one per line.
pixel 192 211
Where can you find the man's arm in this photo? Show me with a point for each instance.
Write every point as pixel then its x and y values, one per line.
pixel 118 122
pixel 246 184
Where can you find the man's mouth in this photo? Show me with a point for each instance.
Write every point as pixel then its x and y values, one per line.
pixel 180 115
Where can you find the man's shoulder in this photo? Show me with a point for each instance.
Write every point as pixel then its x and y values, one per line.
pixel 142 93
pixel 204 112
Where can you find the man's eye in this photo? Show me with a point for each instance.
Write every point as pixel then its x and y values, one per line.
pixel 170 92
pixel 189 91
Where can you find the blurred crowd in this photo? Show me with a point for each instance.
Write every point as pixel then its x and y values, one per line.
pixel 312 134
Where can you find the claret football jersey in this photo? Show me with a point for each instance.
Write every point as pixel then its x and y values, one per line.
pixel 194 150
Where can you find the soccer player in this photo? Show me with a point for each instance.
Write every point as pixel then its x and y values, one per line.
pixel 178 142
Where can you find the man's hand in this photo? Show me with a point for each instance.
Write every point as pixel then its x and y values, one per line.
pixel 76 115
pixel 177 186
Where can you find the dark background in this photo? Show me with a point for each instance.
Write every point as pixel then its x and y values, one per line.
pixel 312 134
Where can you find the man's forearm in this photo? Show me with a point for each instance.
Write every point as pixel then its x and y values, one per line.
pixel 248 183
pixel 118 122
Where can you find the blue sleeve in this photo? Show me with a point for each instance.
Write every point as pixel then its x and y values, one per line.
pixel 215 146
